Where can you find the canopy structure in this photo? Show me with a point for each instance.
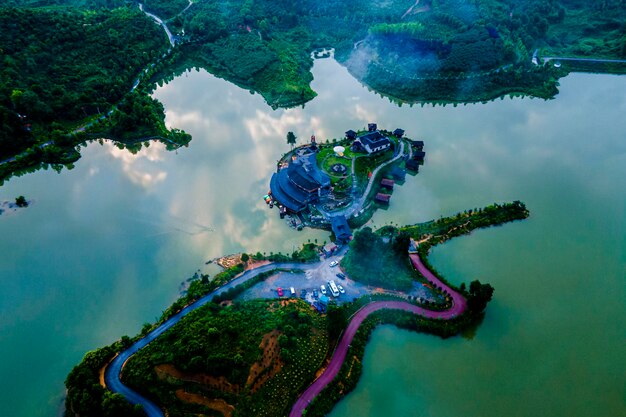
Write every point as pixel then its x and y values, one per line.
pixel 339 150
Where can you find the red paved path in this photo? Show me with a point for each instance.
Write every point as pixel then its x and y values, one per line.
pixel 336 361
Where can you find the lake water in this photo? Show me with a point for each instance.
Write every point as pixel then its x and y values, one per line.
pixel 105 246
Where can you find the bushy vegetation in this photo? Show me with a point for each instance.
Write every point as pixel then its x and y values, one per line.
pixel 85 395
pixel 63 65
pixel 66 77
pixel 308 252
pixel 201 287
pixel 444 228
pixel 374 261
pixel 224 343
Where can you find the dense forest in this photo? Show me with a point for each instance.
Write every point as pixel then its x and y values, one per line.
pixel 253 357
pixel 64 70
pixel 67 63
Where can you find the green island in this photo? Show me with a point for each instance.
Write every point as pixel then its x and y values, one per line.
pixel 78 70
pixel 235 345
pixel 339 184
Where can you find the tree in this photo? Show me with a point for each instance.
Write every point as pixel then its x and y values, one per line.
pixel 401 242
pixel 479 296
pixel 364 240
pixel 291 139
pixel 21 201
pixel 245 258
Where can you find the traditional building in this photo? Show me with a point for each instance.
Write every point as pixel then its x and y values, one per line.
pixel 413 165
pixel 398 133
pixel 383 198
pixel 398 173
pixel 417 144
pixel 350 134
pixel 374 142
pixel 341 229
pixel 299 184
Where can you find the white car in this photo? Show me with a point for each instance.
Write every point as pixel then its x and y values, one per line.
pixel 323 289
pixel 340 288
pixel 333 264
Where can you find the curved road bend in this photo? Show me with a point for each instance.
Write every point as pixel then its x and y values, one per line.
pixel 113 370
pixel 458 306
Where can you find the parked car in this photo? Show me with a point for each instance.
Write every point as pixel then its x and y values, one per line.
pixel 334 264
pixel 323 289
pixel 293 291
pixel 341 276
pixel 280 292
pixel 303 294
pixel 340 288
pixel 315 293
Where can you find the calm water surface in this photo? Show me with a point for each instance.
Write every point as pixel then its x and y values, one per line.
pixel 105 246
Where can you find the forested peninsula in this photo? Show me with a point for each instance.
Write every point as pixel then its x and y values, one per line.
pixel 215 353
pixel 75 70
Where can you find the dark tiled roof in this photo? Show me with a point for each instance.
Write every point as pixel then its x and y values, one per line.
pixel 298 184
pixel 383 198
pixel 340 228
pixel 398 173
pixel 282 196
pixel 300 178
pixel 374 139
pixel 413 165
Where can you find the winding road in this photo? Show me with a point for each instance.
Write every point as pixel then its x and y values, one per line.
pixel 114 369
pixel 160 21
pixel 459 305
pixel 595 60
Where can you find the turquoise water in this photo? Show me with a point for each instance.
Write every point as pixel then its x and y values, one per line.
pixel 552 342
pixel 105 246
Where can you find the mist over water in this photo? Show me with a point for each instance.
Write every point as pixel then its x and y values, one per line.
pixel 105 246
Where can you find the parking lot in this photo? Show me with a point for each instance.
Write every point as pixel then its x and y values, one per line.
pixel 308 280
pixel 312 279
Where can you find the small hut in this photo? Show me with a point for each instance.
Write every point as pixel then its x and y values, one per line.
pixel 382 198
pixel 398 174
pixel 387 183
pixel 398 133
pixel 413 165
